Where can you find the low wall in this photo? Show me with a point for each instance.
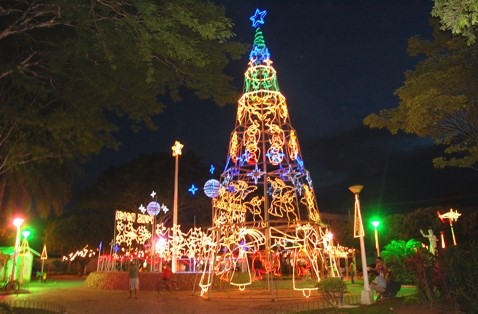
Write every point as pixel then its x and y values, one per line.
pixel 147 281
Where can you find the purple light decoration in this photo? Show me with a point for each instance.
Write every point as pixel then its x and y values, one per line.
pixel 256 174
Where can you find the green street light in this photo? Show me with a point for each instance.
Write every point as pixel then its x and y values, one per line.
pixel 26 233
pixel 17 222
pixel 375 224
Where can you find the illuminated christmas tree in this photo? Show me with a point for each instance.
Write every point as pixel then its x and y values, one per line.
pixel 265 203
pixel 265 177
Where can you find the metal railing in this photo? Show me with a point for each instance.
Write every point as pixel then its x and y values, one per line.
pixel 35 305
pixel 299 306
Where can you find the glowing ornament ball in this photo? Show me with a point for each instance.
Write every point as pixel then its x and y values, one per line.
pixel 153 208
pixel 211 188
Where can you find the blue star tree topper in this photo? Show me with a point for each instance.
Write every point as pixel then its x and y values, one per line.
pixel 258 18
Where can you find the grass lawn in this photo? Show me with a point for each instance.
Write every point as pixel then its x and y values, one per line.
pixel 406 302
pixel 400 305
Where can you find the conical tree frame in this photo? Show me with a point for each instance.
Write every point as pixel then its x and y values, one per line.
pixel 266 205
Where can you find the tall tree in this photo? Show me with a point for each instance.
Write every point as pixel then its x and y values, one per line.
pixel 128 186
pixel 68 67
pixel 458 16
pixel 439 99
pixel 71 232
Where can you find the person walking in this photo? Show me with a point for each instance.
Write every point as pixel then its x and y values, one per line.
pixel 133 278
pixel 167 274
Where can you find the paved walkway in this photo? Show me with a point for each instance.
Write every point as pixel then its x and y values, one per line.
pixel 76 299
pixel 68 293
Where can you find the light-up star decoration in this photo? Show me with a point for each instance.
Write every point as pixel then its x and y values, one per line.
pixel 193 189
pixel 164 208
pixel 451 216
pixel 258 18
pixel 177 148
pixel 256 174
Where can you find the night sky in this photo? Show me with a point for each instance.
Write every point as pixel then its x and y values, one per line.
pixel 337 61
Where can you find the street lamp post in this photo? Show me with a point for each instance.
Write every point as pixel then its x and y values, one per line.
pixel 17 222
pixel 176 153
pixel 375 225
pixel 366 296
pixel 24 248
pixel 153 209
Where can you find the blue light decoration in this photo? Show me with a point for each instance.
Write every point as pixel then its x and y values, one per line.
pixel 283 173
pixel 212 169
pixel 308 178
pixel 300 162
pixel 193 189
pixel 258 18
pixel 211 188
pixel 275 156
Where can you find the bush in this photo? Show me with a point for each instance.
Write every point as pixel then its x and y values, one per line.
pixel 5 308
pixel 423 267
pixel 333 289
pixel 457 275
pixel 394 255
pixel 449 277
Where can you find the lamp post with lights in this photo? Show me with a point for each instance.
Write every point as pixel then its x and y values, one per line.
pixel 375 224
pixel 24 249
pixel 366 296
pixel 176 153
pixel 17 222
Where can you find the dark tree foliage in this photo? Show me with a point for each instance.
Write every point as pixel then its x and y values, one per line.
pixel 439 99
pixel 69 67
pixel 458 16
pixel 69 233
pixel 128 186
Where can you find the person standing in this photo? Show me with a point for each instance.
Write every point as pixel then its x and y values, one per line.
pixel 133 278
pixel 352 270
